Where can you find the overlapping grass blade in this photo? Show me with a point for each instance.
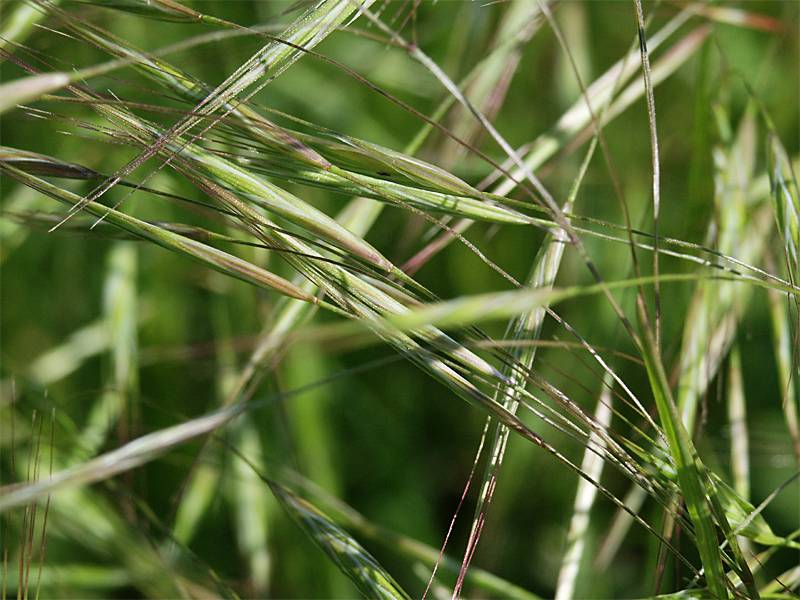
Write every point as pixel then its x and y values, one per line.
pixel 578 118
pixel 529 326
pixel 212 257
pixel 714 311
pixel 266 64
pixel 300 157
pixel 689 469
pixel 227 149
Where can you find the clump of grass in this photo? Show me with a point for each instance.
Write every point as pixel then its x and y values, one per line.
pixel 608 362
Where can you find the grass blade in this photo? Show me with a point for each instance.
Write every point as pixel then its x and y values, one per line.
pixel 353 560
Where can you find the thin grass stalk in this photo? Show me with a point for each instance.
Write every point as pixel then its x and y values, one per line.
pixel 491 306
pixel 37 163
pixel 542 276
pixel 361 300
pixel 714 312
pixel 358 216
pixel 147 447
pixel 578 119
pixel 268 195
pixel 124 458
pixel 520 21
pixel 87 516
pixel 656 163
pixel 544 197
pixel 313 167
pixel 593 117
pixel 252 510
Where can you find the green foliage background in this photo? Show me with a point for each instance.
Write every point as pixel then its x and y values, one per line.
pixel 380 434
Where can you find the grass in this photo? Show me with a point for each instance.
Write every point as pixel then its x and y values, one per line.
pixel 530 262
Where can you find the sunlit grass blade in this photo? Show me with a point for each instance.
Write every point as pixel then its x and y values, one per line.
pixel 30 88
pixel 715 310
pixel 197 151
pixel 201 490
pixel 82 514
pixel 124 458
pixel 584 499
pixel 737 418
pixel 529 326
pixel 255 511
pixel 150 446
pixel 601 91
pixel 58 362
pixel 745 520
pixel 520 21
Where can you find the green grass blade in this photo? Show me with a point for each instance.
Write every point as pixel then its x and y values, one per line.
pixel 787 369
pixel 690 474
pixel 409 548
pixel 216 259
pixel 57 363
pixel 116 404
pixel 353 560
pixel 737 418
pixel 786 201
pixel 18 26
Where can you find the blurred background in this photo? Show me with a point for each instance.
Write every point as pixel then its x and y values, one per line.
pixel 380 435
